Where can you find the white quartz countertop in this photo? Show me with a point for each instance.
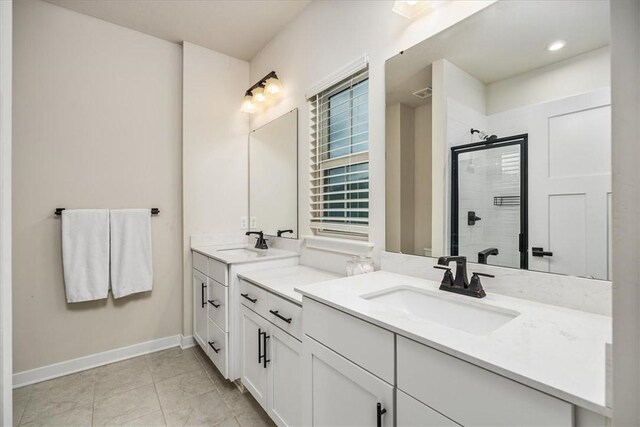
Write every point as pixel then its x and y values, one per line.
pixel 283 281
pixel 229 255
pixel 556 350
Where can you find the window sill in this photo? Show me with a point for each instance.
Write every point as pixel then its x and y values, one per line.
pixel 338 245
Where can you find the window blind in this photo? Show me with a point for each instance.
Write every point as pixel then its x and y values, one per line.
pixel 339 158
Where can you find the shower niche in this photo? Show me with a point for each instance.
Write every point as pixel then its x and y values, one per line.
pixel 498 148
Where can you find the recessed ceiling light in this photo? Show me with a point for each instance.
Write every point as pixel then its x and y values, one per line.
pixel 556 45
pixel 411 8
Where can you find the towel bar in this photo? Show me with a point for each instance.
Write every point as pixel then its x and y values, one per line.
pixel 154 211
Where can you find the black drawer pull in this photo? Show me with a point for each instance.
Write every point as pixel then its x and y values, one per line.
pixel 253 300
pixel 380 412
pixel 280 316
pixel 211 344
pixel 213 303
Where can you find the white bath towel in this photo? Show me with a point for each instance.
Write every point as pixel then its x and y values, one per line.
pixel 131 262
pixel 85 253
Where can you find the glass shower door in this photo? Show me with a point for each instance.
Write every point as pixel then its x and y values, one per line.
pixel 489 187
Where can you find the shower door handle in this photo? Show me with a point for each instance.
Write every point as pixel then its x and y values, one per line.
pixel 540 252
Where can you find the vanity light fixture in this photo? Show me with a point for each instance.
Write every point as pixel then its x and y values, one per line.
pixel 556 45
pixel 412 8
pixel 260 92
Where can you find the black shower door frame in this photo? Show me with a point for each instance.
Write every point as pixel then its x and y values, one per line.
pixel 520 140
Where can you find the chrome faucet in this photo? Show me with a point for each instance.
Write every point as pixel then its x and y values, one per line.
pixel 261 242
pixel 460 283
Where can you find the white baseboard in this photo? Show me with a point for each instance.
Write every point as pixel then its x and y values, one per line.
pixel 187 342
pixel 55 370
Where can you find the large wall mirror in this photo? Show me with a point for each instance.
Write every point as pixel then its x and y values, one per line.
pixel 273 177
pixel 498 140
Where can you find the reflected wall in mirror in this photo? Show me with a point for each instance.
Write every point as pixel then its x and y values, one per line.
pixel 273 177
pixel 498 147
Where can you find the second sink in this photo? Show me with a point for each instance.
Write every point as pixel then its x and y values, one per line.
pixel 478 319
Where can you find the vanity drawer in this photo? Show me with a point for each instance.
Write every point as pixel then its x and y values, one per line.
pixel 481 397
pixel 361 342
pixel 253 297
pixel 288 317
pixel 218 347
pixel 200 262
pixel 217 304
pixel 411 413
pixel 217 270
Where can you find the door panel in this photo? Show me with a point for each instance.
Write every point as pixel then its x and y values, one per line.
pixel 254 372
pixel 200 312
pixel 284 397
pixel 341 393
pixel 569 184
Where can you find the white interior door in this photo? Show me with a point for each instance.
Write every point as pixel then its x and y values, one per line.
pixel 570 184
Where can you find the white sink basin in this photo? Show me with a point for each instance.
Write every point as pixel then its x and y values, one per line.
pixel 474 318
pixel 240 251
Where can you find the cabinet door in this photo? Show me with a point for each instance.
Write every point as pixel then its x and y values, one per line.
pixel 411 413
pixel 200 309
pixel 255 337
pixel 284 397
pixel 337 392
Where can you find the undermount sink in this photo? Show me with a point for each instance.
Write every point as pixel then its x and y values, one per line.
pixel 470 317
pixel 240 251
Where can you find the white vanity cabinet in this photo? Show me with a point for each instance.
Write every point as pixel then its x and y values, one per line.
pixel 271 356
pixel 217 298
pixel 350 366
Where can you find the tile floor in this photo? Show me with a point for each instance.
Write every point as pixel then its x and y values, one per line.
pixel 172 387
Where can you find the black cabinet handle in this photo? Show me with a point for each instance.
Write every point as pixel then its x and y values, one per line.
pixel 202 294
pixel 380 412
pixel 211 344
pixel 265 337
pixel 540 252
pixel 259 346
pixel 253 300
pixel 280 316
pixel 213 303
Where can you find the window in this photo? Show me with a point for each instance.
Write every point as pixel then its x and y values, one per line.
pixel 340 158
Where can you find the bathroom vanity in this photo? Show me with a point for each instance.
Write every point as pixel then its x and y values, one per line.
pixel 391 349
pixel 216 298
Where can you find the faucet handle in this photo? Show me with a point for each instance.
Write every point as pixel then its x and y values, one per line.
pixel 447 279
pixel 482 274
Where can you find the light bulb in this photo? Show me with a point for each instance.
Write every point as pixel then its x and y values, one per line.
pixel 258 94
pixel 273 86
pixel 556 45
pixel 247 104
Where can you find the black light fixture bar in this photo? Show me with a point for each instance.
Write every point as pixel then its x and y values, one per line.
pixel 261 82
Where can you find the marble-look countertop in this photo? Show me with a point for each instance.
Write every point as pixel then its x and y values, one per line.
pixel 222 253
pixel 283 281
pixel 556 350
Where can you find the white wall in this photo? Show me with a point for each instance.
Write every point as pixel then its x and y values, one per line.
pixel 97 124
pixel 422 177
pixel 625 96
pixel 6 362
pixel 308 50
pixel 214 152
pixel 578 74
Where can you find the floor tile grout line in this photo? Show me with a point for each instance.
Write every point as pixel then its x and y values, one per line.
pixel 25 405
pixel 164 419
pixel 93 403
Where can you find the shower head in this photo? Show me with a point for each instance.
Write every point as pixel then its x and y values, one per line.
pixel 490 137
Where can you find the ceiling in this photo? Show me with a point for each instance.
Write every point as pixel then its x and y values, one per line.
pixel 236 28
pixel 506 39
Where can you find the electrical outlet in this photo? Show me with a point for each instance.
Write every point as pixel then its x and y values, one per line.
pixel 253 222
pixel 243 222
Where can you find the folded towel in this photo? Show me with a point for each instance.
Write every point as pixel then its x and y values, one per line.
pixel 131 263
pixel 85 253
